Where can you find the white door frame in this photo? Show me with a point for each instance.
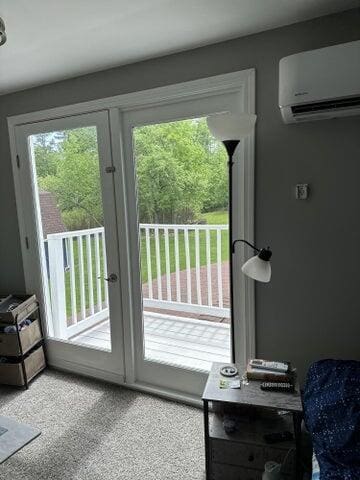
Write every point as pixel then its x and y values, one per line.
pixel 242 82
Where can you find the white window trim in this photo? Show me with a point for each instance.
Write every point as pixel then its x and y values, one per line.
pixel 242 81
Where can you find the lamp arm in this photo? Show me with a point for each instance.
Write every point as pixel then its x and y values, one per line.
pixel 244 241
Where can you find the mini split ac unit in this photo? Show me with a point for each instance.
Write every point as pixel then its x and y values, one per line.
pixel 320 84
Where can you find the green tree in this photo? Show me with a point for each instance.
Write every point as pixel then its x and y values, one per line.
pixel 178 166
pixel 76 183
pixel 181 172
pixel 216 159
pixel 46 154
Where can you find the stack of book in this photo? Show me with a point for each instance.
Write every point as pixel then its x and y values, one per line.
pixel 256 372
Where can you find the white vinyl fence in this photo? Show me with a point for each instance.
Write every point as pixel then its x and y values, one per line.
pixel 183 267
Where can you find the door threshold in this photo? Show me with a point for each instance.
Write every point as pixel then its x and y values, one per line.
pixel 86 371
pixel 111 377
pixel 168 394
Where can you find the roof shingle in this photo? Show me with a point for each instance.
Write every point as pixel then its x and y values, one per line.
pixel 50 214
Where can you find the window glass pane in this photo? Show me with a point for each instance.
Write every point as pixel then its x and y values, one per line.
pixel 182 188
pixel 72 235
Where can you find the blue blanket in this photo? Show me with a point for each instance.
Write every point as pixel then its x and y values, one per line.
pixel 332 416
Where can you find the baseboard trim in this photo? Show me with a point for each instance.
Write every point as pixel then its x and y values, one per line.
pixel 85 371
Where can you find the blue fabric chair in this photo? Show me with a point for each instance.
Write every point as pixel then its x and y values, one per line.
pixel 332 416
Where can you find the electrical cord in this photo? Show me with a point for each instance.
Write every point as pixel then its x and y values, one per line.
pixel 283 464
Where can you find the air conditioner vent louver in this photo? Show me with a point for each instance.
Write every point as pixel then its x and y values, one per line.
pixel 327 105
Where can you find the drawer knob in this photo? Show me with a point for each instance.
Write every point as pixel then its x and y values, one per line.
pixel 251 457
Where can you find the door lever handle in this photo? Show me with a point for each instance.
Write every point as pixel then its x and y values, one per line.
pixel 112 278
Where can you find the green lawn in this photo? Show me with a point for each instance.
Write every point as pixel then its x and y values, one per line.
pixel 212 218
pixel 220 217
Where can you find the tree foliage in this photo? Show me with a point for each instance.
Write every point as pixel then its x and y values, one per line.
pixel 181 172
pixel 76 180
pixel 45 155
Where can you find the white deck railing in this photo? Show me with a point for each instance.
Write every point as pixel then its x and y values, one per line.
pixel 183 271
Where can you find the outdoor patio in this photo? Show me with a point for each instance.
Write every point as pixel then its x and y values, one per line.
pixel 173 340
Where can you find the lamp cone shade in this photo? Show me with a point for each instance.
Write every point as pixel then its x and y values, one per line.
pixel 231 126
pixel 257 269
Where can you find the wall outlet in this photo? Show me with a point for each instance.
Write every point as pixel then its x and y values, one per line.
pixel 301 191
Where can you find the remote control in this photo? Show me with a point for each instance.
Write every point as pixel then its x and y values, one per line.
pixel 277 387
pixel 268 365
pixel 278 437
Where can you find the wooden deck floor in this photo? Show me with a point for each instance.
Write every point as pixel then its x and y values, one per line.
pixel 179 341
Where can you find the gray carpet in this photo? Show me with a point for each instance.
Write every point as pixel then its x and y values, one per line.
pixel 94 431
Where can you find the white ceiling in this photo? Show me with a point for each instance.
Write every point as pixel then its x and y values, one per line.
pixel 51 40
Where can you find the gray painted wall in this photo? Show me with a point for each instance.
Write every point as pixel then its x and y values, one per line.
pixel 311 309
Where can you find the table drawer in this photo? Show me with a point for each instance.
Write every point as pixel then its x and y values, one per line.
pixel 230 472
pixel 12 373
pixel 26 305
pixel 236 453
pixel 29 336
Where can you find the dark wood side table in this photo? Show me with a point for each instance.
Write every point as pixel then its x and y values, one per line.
pixel 249 395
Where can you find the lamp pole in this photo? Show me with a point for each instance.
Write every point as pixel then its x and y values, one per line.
pixel 230 146
pixel 264 253
pixel 229 128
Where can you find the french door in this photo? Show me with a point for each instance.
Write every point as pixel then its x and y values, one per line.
pixel 69 230
pixel 178 251
pixel 124 227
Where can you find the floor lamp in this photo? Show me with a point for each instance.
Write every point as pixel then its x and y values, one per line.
pixel 230 129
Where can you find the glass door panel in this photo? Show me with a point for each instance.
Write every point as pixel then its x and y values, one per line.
pixel 68 196
pixel 176 185
pixel 182 195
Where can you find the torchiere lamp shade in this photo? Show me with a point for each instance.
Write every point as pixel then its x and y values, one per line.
pixel 231 126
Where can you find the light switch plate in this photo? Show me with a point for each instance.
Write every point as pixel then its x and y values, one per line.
pixel 301 191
